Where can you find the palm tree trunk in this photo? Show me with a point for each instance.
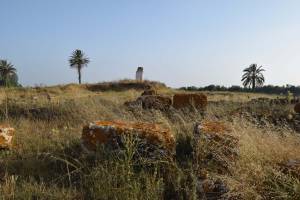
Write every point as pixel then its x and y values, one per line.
pixel 253 83
pixel 5 82
pixel 79 75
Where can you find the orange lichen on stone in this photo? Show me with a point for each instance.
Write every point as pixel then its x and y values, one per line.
pixel 214 127
pixel 199 101
pixel 102 132
pixel 221 146
pixel 216 131
pixel 6 137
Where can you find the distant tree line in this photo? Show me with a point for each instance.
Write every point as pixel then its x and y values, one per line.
pixel 253 81
pixel 252 78
pixel 267 89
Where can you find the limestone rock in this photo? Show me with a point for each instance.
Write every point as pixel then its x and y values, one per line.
pixel 199 101
pixel 6 137
pixel 111 132
pixel 220 147
pixel 157 102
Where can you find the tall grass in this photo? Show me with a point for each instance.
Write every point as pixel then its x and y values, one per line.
pixel 47 161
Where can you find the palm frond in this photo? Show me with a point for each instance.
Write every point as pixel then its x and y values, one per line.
pixel 253 76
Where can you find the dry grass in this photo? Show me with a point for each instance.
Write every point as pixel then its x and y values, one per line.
pixel 47 161
pixel 261 150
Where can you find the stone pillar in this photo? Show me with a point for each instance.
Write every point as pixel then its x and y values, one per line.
pixel 139 74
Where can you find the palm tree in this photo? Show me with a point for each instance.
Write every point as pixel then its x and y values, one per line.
pixel 78 61
pixel 7 71
pixel 253 76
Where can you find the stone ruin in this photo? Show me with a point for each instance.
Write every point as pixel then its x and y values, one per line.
pixel 139 74
pixel 185 100
pixel 6 137
pixel 152 140
pixel 150 99
pixel 222 146
pixel 222 150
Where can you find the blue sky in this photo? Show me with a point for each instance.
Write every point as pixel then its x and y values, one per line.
pixel 181 43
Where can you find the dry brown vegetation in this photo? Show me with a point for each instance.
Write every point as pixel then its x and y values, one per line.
pixel 47 161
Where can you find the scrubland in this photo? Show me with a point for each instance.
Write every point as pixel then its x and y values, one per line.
pixel 47 161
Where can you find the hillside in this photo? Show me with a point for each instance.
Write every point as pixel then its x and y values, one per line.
pixel 47 160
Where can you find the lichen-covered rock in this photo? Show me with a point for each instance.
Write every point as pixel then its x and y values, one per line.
pixel 217 145
pixel 297 108
pixel 157 102
pixel 6 137
pixel 111 133
pixel 199 101
pixel 213 127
